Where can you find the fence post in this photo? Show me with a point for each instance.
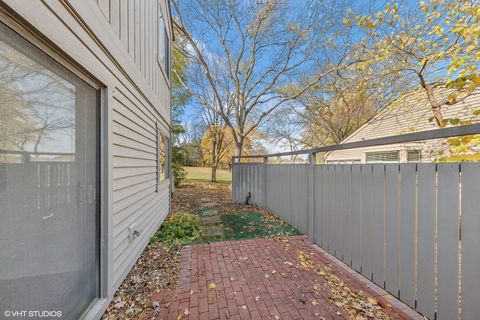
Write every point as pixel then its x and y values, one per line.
pixel 234 180
pixel 312 160
pixel 264 182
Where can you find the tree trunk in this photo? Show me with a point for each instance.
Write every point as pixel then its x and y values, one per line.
pixel 436 107
pixel 238 148
pixel 214 173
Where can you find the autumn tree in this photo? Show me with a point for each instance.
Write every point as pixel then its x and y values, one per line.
pixel 429 45
pixel 217 145
pixel 325 116
pixel 245 55
pixel 179 98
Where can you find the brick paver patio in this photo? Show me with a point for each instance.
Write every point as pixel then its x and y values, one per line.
pixel 260 279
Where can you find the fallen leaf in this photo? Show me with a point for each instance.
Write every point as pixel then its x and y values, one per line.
pixel 212 285
pixel 244 307
pixel 186 312
pixel 314 302
pixel 274 271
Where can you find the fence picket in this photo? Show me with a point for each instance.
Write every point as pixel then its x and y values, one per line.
pixel 392 190
pixel 397 224
pixel 356 217
pixel 407 233
pixel 378 186
pixel 366 221
pixel 447 247
pixel 426 271
pixel 470 241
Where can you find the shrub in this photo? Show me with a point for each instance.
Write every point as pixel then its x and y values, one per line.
pixel 179 174
pixel 180 228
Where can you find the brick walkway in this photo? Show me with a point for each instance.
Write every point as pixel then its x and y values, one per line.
pixel 259 279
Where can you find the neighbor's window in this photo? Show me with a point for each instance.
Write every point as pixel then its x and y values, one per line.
pixel 344 161
pixel 381 157
pixel 413 156
pixel 163 46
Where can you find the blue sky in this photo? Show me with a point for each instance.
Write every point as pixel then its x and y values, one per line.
pixel 191 113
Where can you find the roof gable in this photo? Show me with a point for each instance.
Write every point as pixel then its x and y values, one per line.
pixel 411 113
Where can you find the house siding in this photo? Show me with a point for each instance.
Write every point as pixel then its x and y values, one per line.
pixel 113 44
pixel 409 113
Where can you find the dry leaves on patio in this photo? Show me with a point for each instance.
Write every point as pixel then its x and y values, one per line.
pixel 354 302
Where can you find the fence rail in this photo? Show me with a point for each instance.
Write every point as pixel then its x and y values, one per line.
pixel 413 229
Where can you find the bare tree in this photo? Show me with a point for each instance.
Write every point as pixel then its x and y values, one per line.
pixel 250 58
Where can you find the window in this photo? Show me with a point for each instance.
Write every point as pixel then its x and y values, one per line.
pixel 49 182
pixel 344 161
pixel 382 157
pixel 162 157
pixel 413 156
pixel 163 50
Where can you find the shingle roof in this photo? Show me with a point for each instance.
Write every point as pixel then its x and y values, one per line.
pixel 411 113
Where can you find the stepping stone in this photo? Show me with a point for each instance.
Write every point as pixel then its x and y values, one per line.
pixel 208 211
pixel 210 220
pixel 208 204
pixel 212 231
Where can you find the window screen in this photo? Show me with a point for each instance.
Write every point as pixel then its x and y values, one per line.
pixel 345 161
pixel 163 47
pixel 413 156
pixel 162 156
pixel 380 157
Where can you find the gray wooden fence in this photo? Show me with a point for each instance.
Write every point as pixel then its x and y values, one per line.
pixel 413 229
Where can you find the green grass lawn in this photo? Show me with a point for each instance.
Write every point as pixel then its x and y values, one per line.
pixel 204 174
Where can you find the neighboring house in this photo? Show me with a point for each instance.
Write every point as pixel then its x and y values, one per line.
pixel 84 148
pixel 409 113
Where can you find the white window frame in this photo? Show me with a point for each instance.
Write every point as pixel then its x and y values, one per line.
pixel 419 156
pixel 163 46
pixel 162 145
pixel 381 153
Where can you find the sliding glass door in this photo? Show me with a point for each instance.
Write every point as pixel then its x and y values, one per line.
pixel 49 185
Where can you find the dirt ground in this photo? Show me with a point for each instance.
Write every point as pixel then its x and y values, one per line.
pixel 199 194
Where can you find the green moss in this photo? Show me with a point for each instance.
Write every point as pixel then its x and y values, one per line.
pixel 254 225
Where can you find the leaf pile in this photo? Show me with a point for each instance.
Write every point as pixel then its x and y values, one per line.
pixel 179 228
pixel 157 269
pixel 354 302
